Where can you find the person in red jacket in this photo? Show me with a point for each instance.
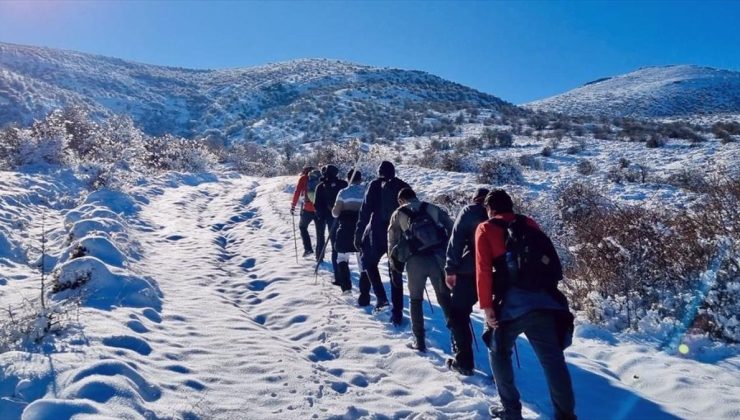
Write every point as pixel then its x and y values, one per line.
pixel 308 212
pixel 511 310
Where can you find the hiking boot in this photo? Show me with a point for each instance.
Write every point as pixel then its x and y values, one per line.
pixel 498 412
pixel 307 253
pixel 380 306
pixel 363 300
pixel 396 320
pixel 417 344
pixel 453 366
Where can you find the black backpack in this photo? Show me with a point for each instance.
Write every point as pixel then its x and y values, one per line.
pixel 530 262
pixel 424 234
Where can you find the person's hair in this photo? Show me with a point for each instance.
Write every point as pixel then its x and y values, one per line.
pixel 499 201
pixel 306 170
pixel 480 195
pixel 354 177
pixel 406 194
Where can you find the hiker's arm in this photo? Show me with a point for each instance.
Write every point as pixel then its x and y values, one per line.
pixel 299 189
pixel 394 232
pixel 455 246
pixel 366 209
pixel 338 206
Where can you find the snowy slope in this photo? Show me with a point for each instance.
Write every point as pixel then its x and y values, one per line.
pixel 235 327
pixel 668 91
pixel 318 98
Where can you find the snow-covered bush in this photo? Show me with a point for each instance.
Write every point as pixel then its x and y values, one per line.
pixel 632 172
pixel 585 167
pixel 630 262
pixel 499 172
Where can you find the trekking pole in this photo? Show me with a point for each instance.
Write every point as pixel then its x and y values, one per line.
pixel 332 231
pixel 472 334
pixel 429 300
pixel 295 240
pixel 516 352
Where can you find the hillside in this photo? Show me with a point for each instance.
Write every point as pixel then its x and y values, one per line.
pixel 303 99
pixel 669 91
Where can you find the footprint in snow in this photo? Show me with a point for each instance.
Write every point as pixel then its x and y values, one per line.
pixel 129 343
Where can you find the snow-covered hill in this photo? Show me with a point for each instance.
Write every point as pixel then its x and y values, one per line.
pixel 312 98
pixel 669 91
pixel 198 308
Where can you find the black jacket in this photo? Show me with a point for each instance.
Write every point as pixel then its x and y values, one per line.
pixel 381 200
pixel 326 193
pixel 461 248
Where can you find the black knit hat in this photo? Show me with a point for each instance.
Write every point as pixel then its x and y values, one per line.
pixel 480 194
pixel 499 201
pixel 386 170
pixel 357 177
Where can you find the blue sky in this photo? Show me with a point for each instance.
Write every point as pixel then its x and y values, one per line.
pixel 519 51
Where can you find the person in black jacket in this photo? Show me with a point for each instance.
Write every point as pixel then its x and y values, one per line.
pixel 371 239
pixel 460 270
pixel 326 195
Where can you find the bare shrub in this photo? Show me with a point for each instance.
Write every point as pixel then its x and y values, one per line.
pixel 585 167
pixel 499 172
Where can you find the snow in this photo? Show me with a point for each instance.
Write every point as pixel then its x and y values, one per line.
pixel 196 307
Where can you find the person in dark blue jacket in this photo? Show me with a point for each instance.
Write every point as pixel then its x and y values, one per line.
pixel 371 239
pixel 460 270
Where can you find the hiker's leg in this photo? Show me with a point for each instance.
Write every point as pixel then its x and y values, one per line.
pixel 437 278
pixel 320 238
pixel 541 331
pixel 502 341
pixel 306 218
pixel 396 294
pixel 416 279
pixel 342 274
pixel 371 262
pixel 461 306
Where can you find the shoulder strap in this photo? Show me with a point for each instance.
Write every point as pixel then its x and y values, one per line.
pixel 408 212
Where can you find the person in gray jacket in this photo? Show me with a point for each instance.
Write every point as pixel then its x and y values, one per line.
pixel 346 210
pixel 420 264
pixel 460 269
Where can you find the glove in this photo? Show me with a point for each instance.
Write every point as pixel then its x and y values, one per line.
pixel 292 210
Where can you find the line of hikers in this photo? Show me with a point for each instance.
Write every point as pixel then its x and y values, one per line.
pixel 488 254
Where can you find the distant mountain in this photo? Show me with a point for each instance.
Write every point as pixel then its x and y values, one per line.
pixel 302 99
pixel 670 91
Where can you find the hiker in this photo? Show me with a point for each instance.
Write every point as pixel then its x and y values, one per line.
pixel 417 237
pixel 515 302
pixel 460 270
pixel 346 210
pixel 326 195
pixel 304 191
pixel 380 201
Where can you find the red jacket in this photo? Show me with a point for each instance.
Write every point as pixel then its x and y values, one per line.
pixel 489 245
pixel 302 189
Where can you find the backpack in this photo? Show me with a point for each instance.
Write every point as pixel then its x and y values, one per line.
pixel 424 234
pixel 314 179
pixel 530 262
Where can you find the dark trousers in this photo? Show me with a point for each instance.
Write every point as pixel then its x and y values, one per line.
pixel 306 218
pixel 541 331
pixel 373 277
pixel 322 225
pixel 463 298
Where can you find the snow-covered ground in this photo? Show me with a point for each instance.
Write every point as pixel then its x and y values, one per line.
pixel 200 309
